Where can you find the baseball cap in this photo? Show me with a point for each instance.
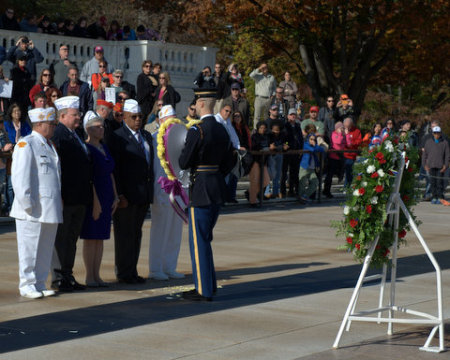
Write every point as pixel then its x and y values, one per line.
pixel 98 49
pixel 314 109
pixel 235 85
pixel 274 107
pixel 292 111
pixel 437 129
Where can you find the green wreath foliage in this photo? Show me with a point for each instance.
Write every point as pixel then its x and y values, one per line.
pixel 365 214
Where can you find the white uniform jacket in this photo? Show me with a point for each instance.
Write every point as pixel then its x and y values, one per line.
pixel 36 180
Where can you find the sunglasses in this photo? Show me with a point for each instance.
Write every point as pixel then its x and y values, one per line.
pixel 102 66
pixel 118 113
pixel 234 89
pixel 46 74
pixel 54 96
pixel 330 100
pixel 118 76
pixel 147 66
pixel 162 77
pixel 136 116
pixel 236 116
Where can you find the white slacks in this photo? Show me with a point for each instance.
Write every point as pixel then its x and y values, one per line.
pixel 35 242
pixel 165 239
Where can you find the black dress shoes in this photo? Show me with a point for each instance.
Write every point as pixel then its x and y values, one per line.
pixel 76 285
pixel 139 279
pixel 193 295
pixel 62 285
pixel 132 280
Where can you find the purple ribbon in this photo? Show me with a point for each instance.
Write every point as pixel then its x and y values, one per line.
pixel 174 188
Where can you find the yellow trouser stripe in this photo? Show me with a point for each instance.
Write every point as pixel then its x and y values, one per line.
pixel 197 262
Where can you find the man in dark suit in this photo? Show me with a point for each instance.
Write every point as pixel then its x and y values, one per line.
pixel 208 153
pixel 132 150
pixel 76 191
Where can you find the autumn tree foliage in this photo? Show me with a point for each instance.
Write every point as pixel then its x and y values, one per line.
pixel 338 46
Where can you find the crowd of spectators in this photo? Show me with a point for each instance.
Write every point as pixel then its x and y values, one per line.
pixel 68 27
pixel 278 110
pixel 281 123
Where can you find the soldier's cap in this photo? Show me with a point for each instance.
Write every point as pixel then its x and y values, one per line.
pixel 67 102
pixel 40 114
pixel 166 110
pixel 131 106
pixel 108 104
pixel 205 93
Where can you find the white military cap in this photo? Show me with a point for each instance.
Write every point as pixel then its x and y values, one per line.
pixel 67 102
pixel 41 114
pixel 131 106
pixel 166 110
pixel 89 115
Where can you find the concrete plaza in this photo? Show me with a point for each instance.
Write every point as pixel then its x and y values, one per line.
pixel 283 291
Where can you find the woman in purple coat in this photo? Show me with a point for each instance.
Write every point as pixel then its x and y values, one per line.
pixel 97 224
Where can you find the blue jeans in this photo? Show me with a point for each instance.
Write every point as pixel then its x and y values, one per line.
pixel 8 193
pixel 231 181
pixel 348 169
pixel 278 167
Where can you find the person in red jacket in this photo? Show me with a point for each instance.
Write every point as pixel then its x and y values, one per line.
pixel 353 141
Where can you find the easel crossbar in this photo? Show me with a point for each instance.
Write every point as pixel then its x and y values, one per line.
pixel 394 320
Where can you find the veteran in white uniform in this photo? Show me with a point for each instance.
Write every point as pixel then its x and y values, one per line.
pixel 167 227
pixel 37 206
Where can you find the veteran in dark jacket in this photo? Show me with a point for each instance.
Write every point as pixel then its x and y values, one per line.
pixel 132 151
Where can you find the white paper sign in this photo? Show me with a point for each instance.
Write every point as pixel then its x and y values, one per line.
pixel 6 89
pixel 110 94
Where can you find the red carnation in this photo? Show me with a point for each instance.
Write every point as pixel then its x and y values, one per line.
pixel 361 191
pixel 350 240
pixel 374 175
pixel 359 178
pixel 379 188
pixel 382 161
pixel 402 234
pixel 386 253
pixel 379 155
pixel 405 198
pixel 406 159
pixel 396 141
pixel 358 246
pixel 369 209
pixel 353 223
pixel 410 169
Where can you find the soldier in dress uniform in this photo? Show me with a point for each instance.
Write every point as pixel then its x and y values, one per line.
pixel 37 206
pixel 208 153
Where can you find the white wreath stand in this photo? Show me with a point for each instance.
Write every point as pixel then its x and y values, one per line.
pixel 394 206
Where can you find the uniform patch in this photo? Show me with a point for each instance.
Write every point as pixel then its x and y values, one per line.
pixel 22 144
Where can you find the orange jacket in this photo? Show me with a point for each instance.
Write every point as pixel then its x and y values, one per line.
pixel 97 78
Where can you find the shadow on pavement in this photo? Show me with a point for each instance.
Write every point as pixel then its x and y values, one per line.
pixel 95 320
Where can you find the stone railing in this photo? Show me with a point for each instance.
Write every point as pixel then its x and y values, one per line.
pixel 183 62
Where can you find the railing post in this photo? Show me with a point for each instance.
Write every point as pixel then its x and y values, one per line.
pixel 319 198
pixel 261 180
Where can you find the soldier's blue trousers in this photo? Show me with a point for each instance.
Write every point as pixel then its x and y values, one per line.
pixel 201 224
